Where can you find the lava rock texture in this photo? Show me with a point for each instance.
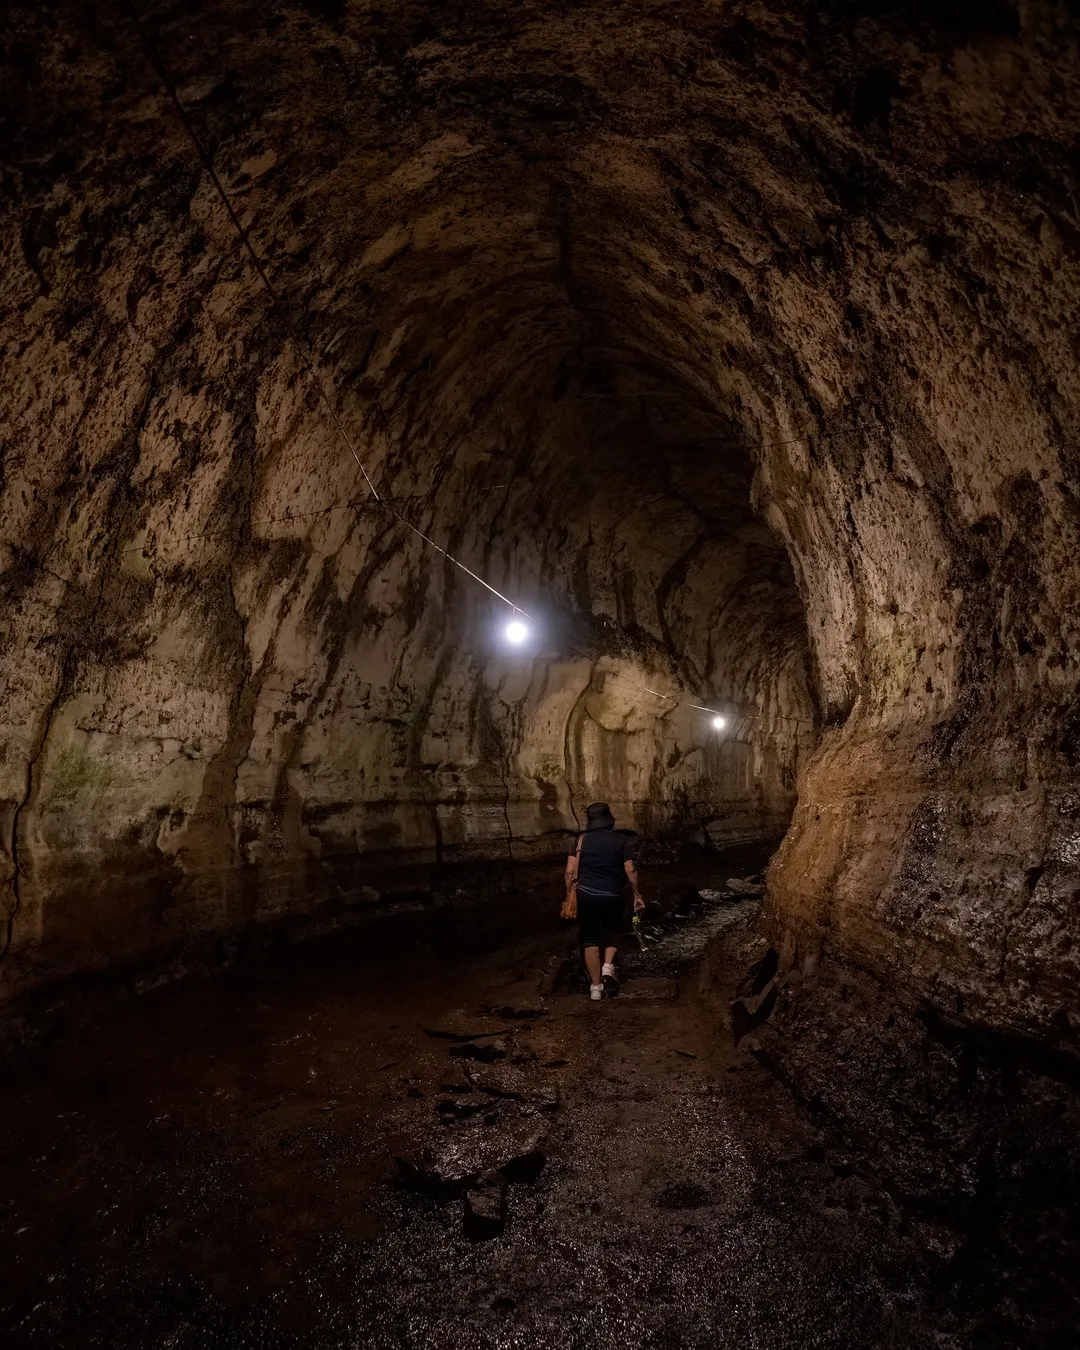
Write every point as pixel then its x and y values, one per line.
pixel 736 342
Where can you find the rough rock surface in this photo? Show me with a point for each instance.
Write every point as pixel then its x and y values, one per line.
pixel 236 689
pixel 225 1189
pixel 704 330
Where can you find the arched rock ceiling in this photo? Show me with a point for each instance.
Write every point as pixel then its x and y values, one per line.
pixel 586 282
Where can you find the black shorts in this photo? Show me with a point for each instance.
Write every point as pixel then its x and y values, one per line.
pixel 601 919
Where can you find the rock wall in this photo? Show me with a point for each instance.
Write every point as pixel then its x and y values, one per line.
pixel 236 688
pixel 932 516
pixel 697 329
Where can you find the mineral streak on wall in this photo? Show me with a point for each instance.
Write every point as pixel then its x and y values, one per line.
pixel 234 688
pixel 736 341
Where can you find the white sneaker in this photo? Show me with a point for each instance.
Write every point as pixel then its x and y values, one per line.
pixel 596 992
pixel 609 969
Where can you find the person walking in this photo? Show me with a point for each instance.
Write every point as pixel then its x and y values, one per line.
pixel 596 876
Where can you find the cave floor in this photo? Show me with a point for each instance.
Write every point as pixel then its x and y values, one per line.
pixel 260 1160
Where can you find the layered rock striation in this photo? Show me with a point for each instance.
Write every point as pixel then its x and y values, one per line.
pixel 238 687
pixel 735 343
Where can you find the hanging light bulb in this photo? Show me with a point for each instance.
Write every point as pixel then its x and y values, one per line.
pixel 719 723
pixel 516 632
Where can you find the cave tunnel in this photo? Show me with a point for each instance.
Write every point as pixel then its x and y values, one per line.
pixel 733 349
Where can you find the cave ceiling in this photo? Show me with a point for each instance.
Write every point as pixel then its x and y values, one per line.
pixel 736 341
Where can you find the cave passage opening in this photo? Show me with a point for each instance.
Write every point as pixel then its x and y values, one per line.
pixel 261 694
pixel 736 344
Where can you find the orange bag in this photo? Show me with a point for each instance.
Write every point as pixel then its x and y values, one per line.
pixel 569 905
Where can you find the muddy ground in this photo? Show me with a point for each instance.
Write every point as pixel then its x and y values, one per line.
pixel 424 1134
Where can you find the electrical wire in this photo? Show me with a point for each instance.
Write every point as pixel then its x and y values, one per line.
pixel 291 515
pixel 207 162
pixel 698 707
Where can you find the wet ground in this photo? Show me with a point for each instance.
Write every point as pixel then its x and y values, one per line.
pixel 424 1134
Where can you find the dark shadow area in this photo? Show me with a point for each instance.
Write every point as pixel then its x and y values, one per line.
pixel 417 422
pixel 189 1156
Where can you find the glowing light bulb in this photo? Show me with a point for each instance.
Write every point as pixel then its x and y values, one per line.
pixel 516 632
pixel 719 723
